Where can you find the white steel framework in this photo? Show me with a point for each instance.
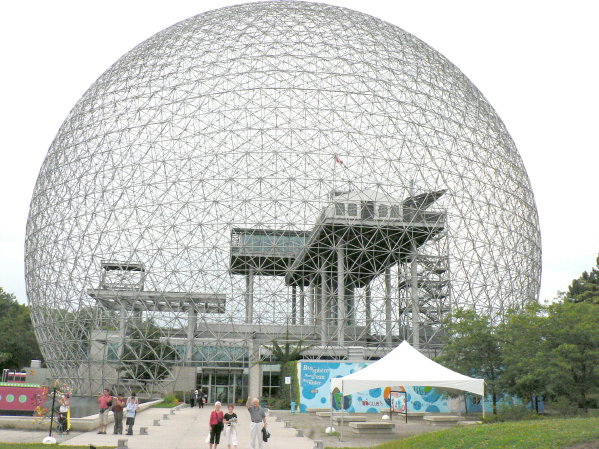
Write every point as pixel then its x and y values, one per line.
pixel 266 170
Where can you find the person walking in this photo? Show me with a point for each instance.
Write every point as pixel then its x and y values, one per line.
pixel 258 422
pixel 117 408
pixel 131 410
pixel 65 411
pixel 216 425
pixel 231 426
pixel 104 403
pixel 201 398
pixel 193 399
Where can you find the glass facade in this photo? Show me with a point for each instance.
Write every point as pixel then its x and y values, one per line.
pixel 220 356
pixel 226 386
pixel 271 380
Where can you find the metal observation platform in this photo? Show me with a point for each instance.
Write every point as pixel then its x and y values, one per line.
pixel 122 289
pixel 358 237
pixel 371 270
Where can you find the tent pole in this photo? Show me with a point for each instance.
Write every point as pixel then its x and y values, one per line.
pixel 332 397
pixel 483 402
pixel 341 422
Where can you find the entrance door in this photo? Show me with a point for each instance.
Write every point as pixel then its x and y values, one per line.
pixel 223 385
pixel 221 393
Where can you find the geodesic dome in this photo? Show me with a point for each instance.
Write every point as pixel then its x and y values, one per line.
pixel 182 208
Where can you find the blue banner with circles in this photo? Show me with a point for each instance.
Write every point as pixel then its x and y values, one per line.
pixel 315 386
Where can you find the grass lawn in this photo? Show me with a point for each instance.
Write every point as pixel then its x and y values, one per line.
pixel 536 434
pixel 45 446
pixel 164 405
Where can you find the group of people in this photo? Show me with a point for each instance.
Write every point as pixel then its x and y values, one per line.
pixel 197 397
pixel 220 421
pixel 121 408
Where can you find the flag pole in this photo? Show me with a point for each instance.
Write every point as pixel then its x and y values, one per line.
pixel 483 401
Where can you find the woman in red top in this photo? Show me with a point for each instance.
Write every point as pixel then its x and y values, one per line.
pixel 216 425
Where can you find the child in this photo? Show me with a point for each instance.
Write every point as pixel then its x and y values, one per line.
pixel 132 406
pixel 231 426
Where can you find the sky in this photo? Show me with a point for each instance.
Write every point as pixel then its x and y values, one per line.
pixel 535 61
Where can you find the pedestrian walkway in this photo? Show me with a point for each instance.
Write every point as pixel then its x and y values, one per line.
pixel 188 428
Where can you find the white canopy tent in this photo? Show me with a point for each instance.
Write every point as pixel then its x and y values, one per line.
pixel 406 366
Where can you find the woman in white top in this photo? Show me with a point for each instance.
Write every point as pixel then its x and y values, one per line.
pixel 231 426
pixel 65 406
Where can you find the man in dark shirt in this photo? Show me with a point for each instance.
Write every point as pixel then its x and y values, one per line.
pixel 257 423
pixel 117 407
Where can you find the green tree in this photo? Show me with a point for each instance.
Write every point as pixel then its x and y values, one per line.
pixel 472 348
pixel 18 345
pixel 524 353
pixel 572 352
pixel 286 353
pixel 586 287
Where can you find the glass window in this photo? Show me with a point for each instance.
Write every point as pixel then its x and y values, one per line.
pixel 394 211
pixel 219 356
pixel 383 210
pixel 339 208
pixel 268 244
pixel 270 384
pixel 352 209
pixel 180 350
pixel 112 351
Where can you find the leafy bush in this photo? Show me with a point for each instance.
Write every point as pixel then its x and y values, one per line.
pixel 512 413
pixel 567 408
pixel 277 403
pixel 181 395
pixel 170 398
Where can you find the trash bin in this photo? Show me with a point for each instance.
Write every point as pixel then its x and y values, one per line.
pixel 293 407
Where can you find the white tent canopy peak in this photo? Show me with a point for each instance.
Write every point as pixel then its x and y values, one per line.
pixel 406 366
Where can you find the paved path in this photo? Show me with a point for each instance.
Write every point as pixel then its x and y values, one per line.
pixel 188 428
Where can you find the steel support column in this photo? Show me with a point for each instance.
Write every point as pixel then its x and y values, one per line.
pixel 388 324
pixel 414 298
pixel 368 309
pixel 340 294
pixel 191 330
pixel 249 296
pixel 302 296
pixel 293 305
pixel 122 328
pixel 323 303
